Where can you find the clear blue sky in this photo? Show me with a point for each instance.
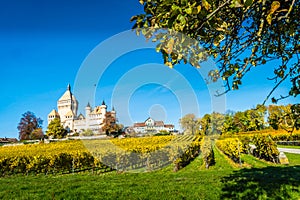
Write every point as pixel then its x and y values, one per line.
pixel 44 43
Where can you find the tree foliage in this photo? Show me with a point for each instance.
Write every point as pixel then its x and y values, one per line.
pixel 284 117
pixel 28 123
pixel 278 117
pixel 212 123
pixel 37 134
pixel 190 124
pixel 113 129
pixel 205 122
pixel 239 34
pixel 248 120
pixel 55 129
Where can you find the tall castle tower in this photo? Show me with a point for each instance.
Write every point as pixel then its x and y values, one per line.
pixel 67 106
pixel 88 110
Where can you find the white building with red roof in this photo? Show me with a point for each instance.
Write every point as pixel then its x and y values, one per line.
pixel 152 126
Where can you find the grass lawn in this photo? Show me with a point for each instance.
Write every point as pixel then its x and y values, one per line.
pixel 289 146
pixel 190 183
pixel 294 159
pixel 222 181
pixel 255 162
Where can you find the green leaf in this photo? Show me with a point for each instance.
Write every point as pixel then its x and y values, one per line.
pixel 189 10
pixel 236 4
pixel 248 3
pixel 175 7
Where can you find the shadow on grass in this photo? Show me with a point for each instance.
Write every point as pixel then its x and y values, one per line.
pixel 263 183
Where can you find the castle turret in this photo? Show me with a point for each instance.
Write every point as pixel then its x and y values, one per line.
pixel 88 109
pixel 113 112
pixel 103 108
pixel 52 115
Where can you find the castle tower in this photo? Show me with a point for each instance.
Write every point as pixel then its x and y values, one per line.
pixel 67 105
pixel 103 108
pixel 52 115
pixel 88 111
pixel 113 113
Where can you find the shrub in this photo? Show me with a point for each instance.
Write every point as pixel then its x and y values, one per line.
pixel 87 132
pixel 232 147
pixel 266 148
pixel 162 133
pixel 207 152
pixel 188 153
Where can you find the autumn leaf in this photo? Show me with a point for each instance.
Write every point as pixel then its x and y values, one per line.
pixel 275 5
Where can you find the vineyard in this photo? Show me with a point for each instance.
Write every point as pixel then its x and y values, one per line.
pixel 264 143
pixel 208 167
pixel 276 135
pixel 99 155
pixel 142 154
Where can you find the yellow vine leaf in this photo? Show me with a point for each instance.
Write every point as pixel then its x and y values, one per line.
pixel 274 6
pixel 206 5
pixel 170 46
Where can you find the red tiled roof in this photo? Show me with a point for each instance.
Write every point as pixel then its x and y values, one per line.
pixel 158 123
pixel 7 140
pixel 139 124
pixel 169 126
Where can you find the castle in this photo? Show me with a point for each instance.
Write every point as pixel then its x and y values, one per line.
pixel 94 119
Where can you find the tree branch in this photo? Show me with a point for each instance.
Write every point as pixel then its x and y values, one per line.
pixel 212 14
pixel 274 88
pixel 289 11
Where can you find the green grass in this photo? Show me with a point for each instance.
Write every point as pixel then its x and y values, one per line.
pixel 289 146
pixel 255 162
pixel 294 159
pixel 272 182
pixel 192 182
pixel 221 181
pixel 186 184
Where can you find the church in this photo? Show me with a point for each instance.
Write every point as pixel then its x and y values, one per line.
pixel 94 118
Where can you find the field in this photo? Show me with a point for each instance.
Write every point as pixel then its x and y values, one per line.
pixel 257 179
